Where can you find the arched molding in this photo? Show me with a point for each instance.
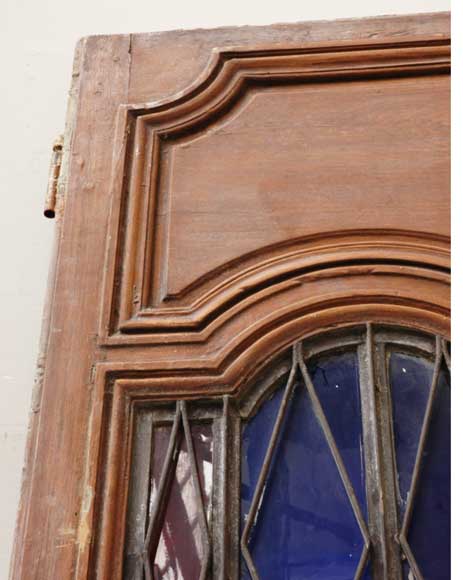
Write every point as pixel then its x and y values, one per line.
pixel 138 303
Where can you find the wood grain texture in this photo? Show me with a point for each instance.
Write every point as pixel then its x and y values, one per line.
pixel 181 56
pixel 270 150
pixel 50 540
pixel 229 192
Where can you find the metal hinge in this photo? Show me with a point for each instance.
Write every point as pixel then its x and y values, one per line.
pixel 53 177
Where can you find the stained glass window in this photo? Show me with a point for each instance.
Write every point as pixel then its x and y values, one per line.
pixel 424 507
pixel 333 464
pixel 305 526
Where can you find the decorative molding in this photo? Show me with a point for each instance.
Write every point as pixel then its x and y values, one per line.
pixel 260 288
pixel 137 305
pixel 121 389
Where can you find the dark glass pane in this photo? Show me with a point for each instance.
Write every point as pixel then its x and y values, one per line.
pixel 410 378
pixel 255 446
pixel 180 549
pixel 429 532
pixel 367 574
pixel 337 385
pixel 305 528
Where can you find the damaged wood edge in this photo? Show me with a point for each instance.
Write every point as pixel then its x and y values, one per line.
pixel 86 553
pixel 33 430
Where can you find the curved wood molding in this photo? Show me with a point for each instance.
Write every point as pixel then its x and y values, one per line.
pixel 224 364
pixel 160 286
pixel 119 391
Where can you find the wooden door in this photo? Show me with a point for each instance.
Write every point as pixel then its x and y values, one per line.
pixel 224 195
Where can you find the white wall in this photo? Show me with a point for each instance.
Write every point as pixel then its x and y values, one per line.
pixel 37 39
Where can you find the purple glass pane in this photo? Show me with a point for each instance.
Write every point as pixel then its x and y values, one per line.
pixel 180 549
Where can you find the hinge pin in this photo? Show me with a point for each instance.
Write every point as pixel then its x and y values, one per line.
pixel 53 176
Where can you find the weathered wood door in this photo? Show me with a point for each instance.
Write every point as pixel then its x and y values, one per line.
pixel 225 194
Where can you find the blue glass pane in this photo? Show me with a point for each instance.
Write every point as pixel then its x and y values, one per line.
pixel 337 385
pixel 305 528
pixel 367 574
pixel 410 379
pixel 429 532
pixel 254 445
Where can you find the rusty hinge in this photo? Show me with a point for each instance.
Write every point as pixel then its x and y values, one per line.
pixel 53 177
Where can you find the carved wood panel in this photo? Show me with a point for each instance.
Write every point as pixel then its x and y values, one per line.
pixel 228 193
pixel 263 167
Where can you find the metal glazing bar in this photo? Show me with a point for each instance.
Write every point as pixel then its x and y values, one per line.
pixel 258 492
pixel 226 493
pixel 219 492
pixel 446 353
pixel 418 463
pixel 221 487
pixel 319 413
pixel 198 492
pixel 168 471
pixel 387 475
pixel 371 446
pixel 138 497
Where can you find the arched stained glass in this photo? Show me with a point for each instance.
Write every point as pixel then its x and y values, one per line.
pixel 305 526
pixel 424 505
pixel 333 465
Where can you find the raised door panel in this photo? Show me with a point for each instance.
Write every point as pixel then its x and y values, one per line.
pixel 276 161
